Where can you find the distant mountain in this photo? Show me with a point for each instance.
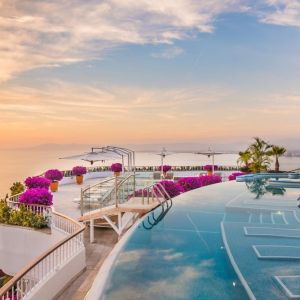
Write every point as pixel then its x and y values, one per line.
pixel 225 145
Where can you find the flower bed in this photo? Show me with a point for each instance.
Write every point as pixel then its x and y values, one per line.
pixel 21 217
pixel 191 183
pixel 172 188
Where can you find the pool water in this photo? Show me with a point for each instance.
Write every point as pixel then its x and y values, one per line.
pixel 233 240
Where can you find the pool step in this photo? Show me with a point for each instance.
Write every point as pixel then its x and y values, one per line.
pixel 268 218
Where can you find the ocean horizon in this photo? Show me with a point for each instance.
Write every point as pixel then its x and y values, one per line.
pixel 17 164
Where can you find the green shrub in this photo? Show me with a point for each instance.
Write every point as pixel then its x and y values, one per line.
pixel 21 216
pixel 17 188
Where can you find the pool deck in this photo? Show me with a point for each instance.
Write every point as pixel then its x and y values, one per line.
pixel 105 239
pixel 65 200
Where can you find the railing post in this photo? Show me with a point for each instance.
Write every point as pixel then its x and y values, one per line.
pixel 92 235
pixel 81 201
pixel 116 190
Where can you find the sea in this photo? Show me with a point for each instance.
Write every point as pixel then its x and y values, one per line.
pixel 17 164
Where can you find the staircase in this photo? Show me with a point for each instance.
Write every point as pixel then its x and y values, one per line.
pixel 118 202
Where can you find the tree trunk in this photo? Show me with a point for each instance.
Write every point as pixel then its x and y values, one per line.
pixel 276 165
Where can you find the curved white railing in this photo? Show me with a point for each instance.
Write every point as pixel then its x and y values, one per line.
pixel 35 273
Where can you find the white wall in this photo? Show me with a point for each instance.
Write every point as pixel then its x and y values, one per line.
pixel 19 246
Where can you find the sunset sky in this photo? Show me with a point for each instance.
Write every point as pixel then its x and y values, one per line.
pixel 128 71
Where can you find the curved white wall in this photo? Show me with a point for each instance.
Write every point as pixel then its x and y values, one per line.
pixel 19 246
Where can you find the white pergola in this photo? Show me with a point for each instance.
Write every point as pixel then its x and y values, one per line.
pixel 211 154
pixel 107 153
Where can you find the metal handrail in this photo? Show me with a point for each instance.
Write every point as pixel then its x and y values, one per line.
pixel 18 283
pixel 98 184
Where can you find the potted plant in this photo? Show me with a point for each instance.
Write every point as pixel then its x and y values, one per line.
pixel 54 176
pixel 79 171
pixel 210 169
pixel 116 168
pixel 37 182
pixel 165 169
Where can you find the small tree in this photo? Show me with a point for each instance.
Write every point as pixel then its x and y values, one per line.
pixel 244 159
pixel 260 155
pixel 277 151
pixel 17 188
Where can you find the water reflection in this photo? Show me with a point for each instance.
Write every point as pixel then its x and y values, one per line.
pixel 260 187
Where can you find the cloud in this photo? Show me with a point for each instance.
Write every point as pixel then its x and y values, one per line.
pixel 178 280
pixel 42 33
pixel 67 101
pixel 169 53
pixel 281 12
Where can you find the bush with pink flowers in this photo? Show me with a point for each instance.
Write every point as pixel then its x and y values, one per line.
pixel 39 196
pixel 210 167
pixel 54 175
pixel 37 182
pixel 78 171
pixel 234 175
pixel 116 167
pixel 171 187
pixel 165 168
pixel 191 183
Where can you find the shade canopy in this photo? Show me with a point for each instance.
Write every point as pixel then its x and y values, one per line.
pixel 164 153
pixel 94 156
pixel 209 153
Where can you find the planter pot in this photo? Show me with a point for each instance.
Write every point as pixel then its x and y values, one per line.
pixel 79 179
pixel 117 173
pixel 209 173
pixel 54 186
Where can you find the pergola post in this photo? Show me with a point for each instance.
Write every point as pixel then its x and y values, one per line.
pixel 92 231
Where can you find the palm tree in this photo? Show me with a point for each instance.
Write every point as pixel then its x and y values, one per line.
pixel 260 155
pixel 277 151
pixel 244 159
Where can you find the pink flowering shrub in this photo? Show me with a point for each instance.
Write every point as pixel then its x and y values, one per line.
pixel 54 175
pixel 171 187
pixel 210 167
pixel 117 167
pixel 234 175
pixel 191 183
pixel 165 168
pixel 78 171
pixel 39 196
pixel 37 182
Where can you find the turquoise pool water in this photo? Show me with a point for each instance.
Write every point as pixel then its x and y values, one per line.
pixel 233 240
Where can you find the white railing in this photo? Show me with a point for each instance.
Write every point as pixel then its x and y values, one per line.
pixel 33 275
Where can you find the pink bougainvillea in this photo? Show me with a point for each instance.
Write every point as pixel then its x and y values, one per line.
pixel 39 196
pixel 37 182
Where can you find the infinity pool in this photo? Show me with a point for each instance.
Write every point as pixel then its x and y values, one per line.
pixel 233 240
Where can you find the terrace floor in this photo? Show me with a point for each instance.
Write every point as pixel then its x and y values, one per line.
pixel 66 199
